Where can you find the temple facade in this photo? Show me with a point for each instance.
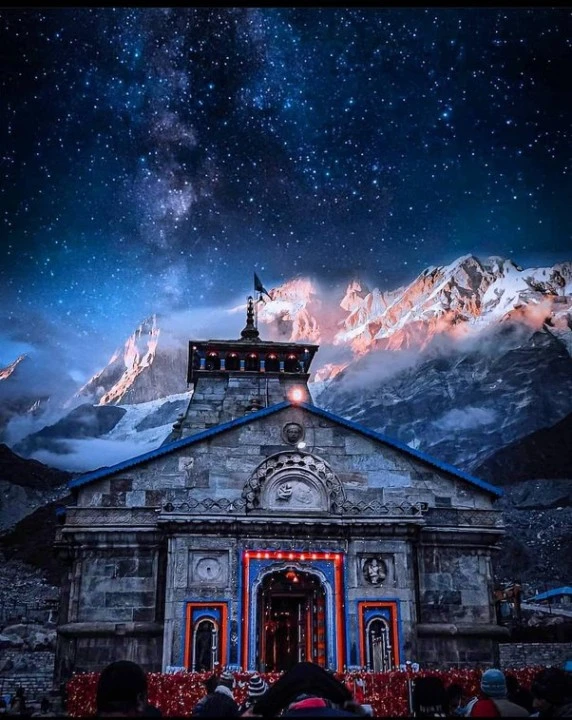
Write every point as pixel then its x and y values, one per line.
pixel 266 530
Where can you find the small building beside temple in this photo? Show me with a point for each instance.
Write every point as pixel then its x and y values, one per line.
pixel 266 530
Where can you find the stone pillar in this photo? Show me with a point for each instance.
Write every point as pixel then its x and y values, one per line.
pixel 169 607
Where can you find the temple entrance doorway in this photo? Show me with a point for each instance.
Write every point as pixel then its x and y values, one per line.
pixel 292 626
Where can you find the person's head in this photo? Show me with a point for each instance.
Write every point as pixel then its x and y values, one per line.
pixel 493 683
pixel 226 679
pixel 219 705
pixel 454 695
pixel 210 684
pixel 121 690
pixel 256 687
pixel 551 687
pixel 512 684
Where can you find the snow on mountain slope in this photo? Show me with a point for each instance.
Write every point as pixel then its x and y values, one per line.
pixel 5 372
pixel 292 310
pixel 142 428
pixel 143 370
pixel 464 297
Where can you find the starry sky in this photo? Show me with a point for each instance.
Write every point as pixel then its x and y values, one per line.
pixel 151 159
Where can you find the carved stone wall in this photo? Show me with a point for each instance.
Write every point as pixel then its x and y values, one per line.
pixel 147 541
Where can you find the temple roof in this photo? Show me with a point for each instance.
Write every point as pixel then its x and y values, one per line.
pixel 266 412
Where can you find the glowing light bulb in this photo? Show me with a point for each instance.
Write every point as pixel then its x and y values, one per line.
pixel 297 395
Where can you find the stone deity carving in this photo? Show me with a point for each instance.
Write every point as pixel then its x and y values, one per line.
pixel 374 571
pixel 293 433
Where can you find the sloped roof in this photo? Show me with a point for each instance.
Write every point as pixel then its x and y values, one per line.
pixel 555 592
pixel 266 412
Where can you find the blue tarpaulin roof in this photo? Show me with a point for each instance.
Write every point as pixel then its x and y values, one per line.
pixel 555 592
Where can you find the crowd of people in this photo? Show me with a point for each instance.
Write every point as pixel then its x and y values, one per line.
pixel 307 690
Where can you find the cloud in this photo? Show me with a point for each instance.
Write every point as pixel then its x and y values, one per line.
pixel 376 367
pixel 86 455
pixel 467 418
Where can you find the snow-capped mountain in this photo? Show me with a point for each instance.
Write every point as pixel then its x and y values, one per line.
pixel 18 398
pixel 299 311
pixel 464 297
pixel 141 371
pixel 5 372
pixel 466 358
pixel 92 435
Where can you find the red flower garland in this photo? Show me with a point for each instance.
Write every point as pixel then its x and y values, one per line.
pixel 176 695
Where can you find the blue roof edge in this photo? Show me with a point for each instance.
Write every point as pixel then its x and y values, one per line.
pixel 175 445
pixel 265 412
pixel 564 590
pixel 482 484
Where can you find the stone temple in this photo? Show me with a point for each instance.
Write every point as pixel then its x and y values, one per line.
pixel 266 530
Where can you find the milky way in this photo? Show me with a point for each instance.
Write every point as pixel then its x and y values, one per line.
pixel 152 158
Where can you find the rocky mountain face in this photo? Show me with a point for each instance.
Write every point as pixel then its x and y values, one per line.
pixel 85 421
pixel 535 473
pixel 26 485
pixel 465 359
pixel 460 403
pixel 143 370
pixel 14 400
pixel 546 453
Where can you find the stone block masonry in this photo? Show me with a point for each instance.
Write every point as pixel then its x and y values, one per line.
pixel 520 655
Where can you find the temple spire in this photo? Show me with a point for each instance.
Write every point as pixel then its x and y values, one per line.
pixel 250 331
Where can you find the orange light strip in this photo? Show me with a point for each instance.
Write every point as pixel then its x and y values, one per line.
pixel 289 555
pixel 336 557
pixel 338 599
pixel 223 607
pixel 392 607
pixel 245 609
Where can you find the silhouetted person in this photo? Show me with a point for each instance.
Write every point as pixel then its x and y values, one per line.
pixel 429 697
pixel 305 690
pixel 517 694
pixel 552 693
pixel 221 703
pixel 210 684
pixel 455 699
pixel 122 690
pixel 256 689
pixel 18 703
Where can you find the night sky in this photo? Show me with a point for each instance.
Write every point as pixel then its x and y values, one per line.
pixel 151 159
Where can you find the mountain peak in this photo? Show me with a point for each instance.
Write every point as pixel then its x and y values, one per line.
pixel 5 372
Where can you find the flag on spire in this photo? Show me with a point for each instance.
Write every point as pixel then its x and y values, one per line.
pixel 259 287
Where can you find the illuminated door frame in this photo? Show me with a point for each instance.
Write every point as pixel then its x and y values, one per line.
pixel 257 563
pixel 386 610
pixel 217 613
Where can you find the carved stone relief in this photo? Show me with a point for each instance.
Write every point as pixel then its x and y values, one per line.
pixel 208 567
pixel 186 468
pixel 374 570
pixel 293 433
pixel 295 493
pixel 294 481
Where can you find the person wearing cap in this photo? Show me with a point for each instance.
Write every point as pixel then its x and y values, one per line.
pixel 256 689
pixel 210 685
pixel 552 693
pixel 221 703
pixel 493 701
